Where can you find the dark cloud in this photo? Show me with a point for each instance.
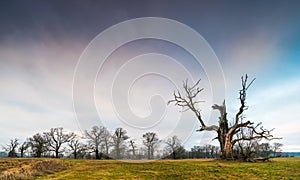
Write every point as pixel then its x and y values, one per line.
pixel 218 21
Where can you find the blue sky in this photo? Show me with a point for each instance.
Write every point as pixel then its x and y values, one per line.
pixel 41 43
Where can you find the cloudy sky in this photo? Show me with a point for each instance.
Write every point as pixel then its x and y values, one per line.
pixel 42 43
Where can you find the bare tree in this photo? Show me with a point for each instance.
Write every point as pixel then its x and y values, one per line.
pixel 107 141
pixel 95 137
pixel 133 148
pixel 77 147
pixel 173 145
pixel 38 144
pixel 11 148
pixel 119 137
pixel 150 140
pixel 23 147
pixel 265 149
pixel 276 148
pixel 215 151
pixel 56 138
pixel 226 138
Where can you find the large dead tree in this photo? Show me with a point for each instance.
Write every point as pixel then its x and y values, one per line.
pixel 226 138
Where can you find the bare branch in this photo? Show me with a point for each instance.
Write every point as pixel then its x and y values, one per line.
pixel 188 101
pixel 256 132
pixel 209 128
pixel 242 97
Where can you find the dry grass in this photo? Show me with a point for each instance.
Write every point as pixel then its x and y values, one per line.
pixel 11 169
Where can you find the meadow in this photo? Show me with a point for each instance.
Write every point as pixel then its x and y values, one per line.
pixel 278 168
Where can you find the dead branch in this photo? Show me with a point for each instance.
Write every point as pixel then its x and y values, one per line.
pixel 242 97
pixel 256 132
pixel 188 102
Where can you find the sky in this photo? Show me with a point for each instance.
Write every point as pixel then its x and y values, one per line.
pixel 43 45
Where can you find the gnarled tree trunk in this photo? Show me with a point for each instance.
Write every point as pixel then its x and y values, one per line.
pixel 227 150
pixel 226 133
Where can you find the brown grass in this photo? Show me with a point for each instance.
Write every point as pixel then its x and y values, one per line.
pixel 11 169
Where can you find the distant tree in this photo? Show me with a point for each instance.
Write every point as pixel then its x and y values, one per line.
pixel 107 141
pixel 23 147
pixel 265 149
pixel 56 138
pixel 11 148
pixel 38 144
pixel 119 137
pixel 180 152
pixel 276 148
pixel 216 151
pixel 173 145
pixel 95 139
pixel 211 151
pixel 226 133
pixel 195 152
pixel 133 148
pixel 150 140
pixel 206 151
pixel 77 148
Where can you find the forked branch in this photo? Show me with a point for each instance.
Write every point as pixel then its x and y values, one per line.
pixel 257 132
pixel 242 97
pixel 188 100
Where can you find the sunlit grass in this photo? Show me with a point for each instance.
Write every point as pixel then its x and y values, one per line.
pixel 279 168
pixel 29 168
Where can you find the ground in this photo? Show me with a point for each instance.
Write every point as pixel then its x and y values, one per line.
pixel 278 168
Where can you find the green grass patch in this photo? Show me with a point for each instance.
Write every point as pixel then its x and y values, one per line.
pixel 279 168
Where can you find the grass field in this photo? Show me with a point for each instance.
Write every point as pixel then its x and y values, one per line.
pixel 280 168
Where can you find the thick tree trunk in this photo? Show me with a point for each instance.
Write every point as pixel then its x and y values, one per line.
pixel 118 153
pixel 106 148
pixel 133 153
pixel 75 154
pixel 56 153
pixel 38 153
pixel 223 136
pixel 227 151
pixel 149 152
pixel 174 154
pixel 97 154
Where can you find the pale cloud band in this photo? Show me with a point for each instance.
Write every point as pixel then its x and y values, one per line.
pixel 94 56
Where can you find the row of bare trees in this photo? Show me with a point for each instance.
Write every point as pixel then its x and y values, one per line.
pixel 41 143
pixel 98 143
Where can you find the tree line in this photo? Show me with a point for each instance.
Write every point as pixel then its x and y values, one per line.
pixel 100 143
